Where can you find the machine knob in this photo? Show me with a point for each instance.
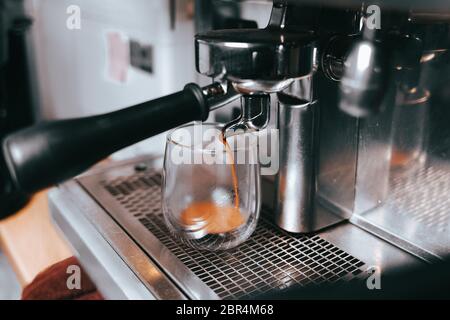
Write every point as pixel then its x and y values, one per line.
pixel 364 80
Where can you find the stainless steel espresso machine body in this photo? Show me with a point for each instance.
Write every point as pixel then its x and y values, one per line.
pixel 341 77
pixel 359 97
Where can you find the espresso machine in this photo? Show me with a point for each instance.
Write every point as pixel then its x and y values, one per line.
pixel 357 93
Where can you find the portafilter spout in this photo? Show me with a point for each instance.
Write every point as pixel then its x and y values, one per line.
pixel 255 115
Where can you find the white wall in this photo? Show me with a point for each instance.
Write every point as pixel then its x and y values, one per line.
pixel 72 63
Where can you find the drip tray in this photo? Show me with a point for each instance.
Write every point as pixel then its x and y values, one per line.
pixel 113 219
pixel 418 206
pixel 270 259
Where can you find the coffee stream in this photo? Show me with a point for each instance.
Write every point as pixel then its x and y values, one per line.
pixel 213 218
pixel 230 156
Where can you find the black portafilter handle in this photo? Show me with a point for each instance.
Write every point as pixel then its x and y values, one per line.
pixel 52 152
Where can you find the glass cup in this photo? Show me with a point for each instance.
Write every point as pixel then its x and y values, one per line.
pixel 211 188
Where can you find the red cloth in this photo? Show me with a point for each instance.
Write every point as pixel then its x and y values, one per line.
pixel 51 284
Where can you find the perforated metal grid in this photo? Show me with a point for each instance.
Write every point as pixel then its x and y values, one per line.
pixel 270 259
pixel 423 196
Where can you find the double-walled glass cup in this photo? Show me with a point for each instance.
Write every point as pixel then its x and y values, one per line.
pixel 211 188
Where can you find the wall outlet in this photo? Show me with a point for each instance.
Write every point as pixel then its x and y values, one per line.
pixel 141 56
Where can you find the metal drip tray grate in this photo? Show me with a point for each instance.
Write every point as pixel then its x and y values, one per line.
pixel 270 259
pixel 267 261
pixel 423 196
pixel 416 214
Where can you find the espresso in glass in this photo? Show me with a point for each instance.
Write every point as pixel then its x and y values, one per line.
pixel 211 188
